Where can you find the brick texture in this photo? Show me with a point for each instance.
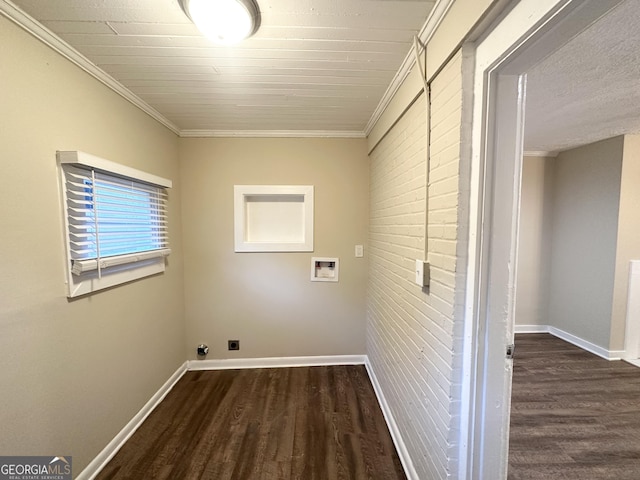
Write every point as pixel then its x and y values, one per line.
pixel 411 340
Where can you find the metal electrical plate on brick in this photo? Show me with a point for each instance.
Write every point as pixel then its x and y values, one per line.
pixel 422 273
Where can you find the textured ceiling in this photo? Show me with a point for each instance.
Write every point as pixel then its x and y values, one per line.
pixel 314 65
pixel 589 89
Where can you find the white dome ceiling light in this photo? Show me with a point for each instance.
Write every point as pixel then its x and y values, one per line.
pixel 223 21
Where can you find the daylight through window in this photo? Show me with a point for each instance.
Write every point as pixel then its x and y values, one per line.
pixel 115 223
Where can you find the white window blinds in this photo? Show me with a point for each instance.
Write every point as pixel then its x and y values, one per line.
pixel 116 222
pixel 112 220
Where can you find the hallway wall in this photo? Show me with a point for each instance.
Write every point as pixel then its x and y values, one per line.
pixel 534 241
pixel 568 241
pixel 628 240
pixel 586 196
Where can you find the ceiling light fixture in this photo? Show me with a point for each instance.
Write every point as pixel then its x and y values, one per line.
pixel 223 21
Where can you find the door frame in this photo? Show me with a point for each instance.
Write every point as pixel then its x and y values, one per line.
pixel 632 327
pixel 529 32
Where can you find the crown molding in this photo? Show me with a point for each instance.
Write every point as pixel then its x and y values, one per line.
pixel 428 29
pixel 271 134
pixel 46 36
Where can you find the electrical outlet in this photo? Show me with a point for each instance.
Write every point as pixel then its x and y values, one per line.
pixel 234 344
pixel 202 350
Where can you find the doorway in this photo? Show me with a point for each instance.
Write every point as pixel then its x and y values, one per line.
pixel 632 334
pixel 530 31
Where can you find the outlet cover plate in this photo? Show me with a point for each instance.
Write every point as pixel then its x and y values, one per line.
pixel 422 273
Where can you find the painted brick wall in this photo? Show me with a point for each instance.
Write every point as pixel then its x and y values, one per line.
pixel 411 340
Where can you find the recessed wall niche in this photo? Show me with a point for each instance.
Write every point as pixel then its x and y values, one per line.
pixel 273 218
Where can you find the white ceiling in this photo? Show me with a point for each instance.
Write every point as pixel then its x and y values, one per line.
pixel 314 65
pixel 589 89
pixel 322 66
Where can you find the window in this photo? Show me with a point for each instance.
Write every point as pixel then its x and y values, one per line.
pixel 116 222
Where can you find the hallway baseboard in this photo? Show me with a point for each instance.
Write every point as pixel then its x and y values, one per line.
pixel 573 339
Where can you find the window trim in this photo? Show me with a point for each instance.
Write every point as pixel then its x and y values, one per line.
pixel 113 270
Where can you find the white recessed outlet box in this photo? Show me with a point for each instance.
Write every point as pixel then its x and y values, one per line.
pixel 325 269
pixel 422 273
pixel 359 251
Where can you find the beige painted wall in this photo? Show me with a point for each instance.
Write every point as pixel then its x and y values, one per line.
pixel 73 373
pixel 534 241
pixel 617 241
pixel 76 367
pixel 266 300
pixel 585 223
pixel 628 245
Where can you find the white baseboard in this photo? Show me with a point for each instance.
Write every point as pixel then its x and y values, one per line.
pixel 570 338
pixel 98 463
pixel 532 328
pixel 633 361
pixel 617 354
pixel 275 362
pixel 585 345
pixel 401 448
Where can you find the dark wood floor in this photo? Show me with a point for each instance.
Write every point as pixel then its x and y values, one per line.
pixel 573 414
pixel 288 423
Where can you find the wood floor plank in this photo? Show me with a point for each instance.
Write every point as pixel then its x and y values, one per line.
pixel 308 423
pixel 573 415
